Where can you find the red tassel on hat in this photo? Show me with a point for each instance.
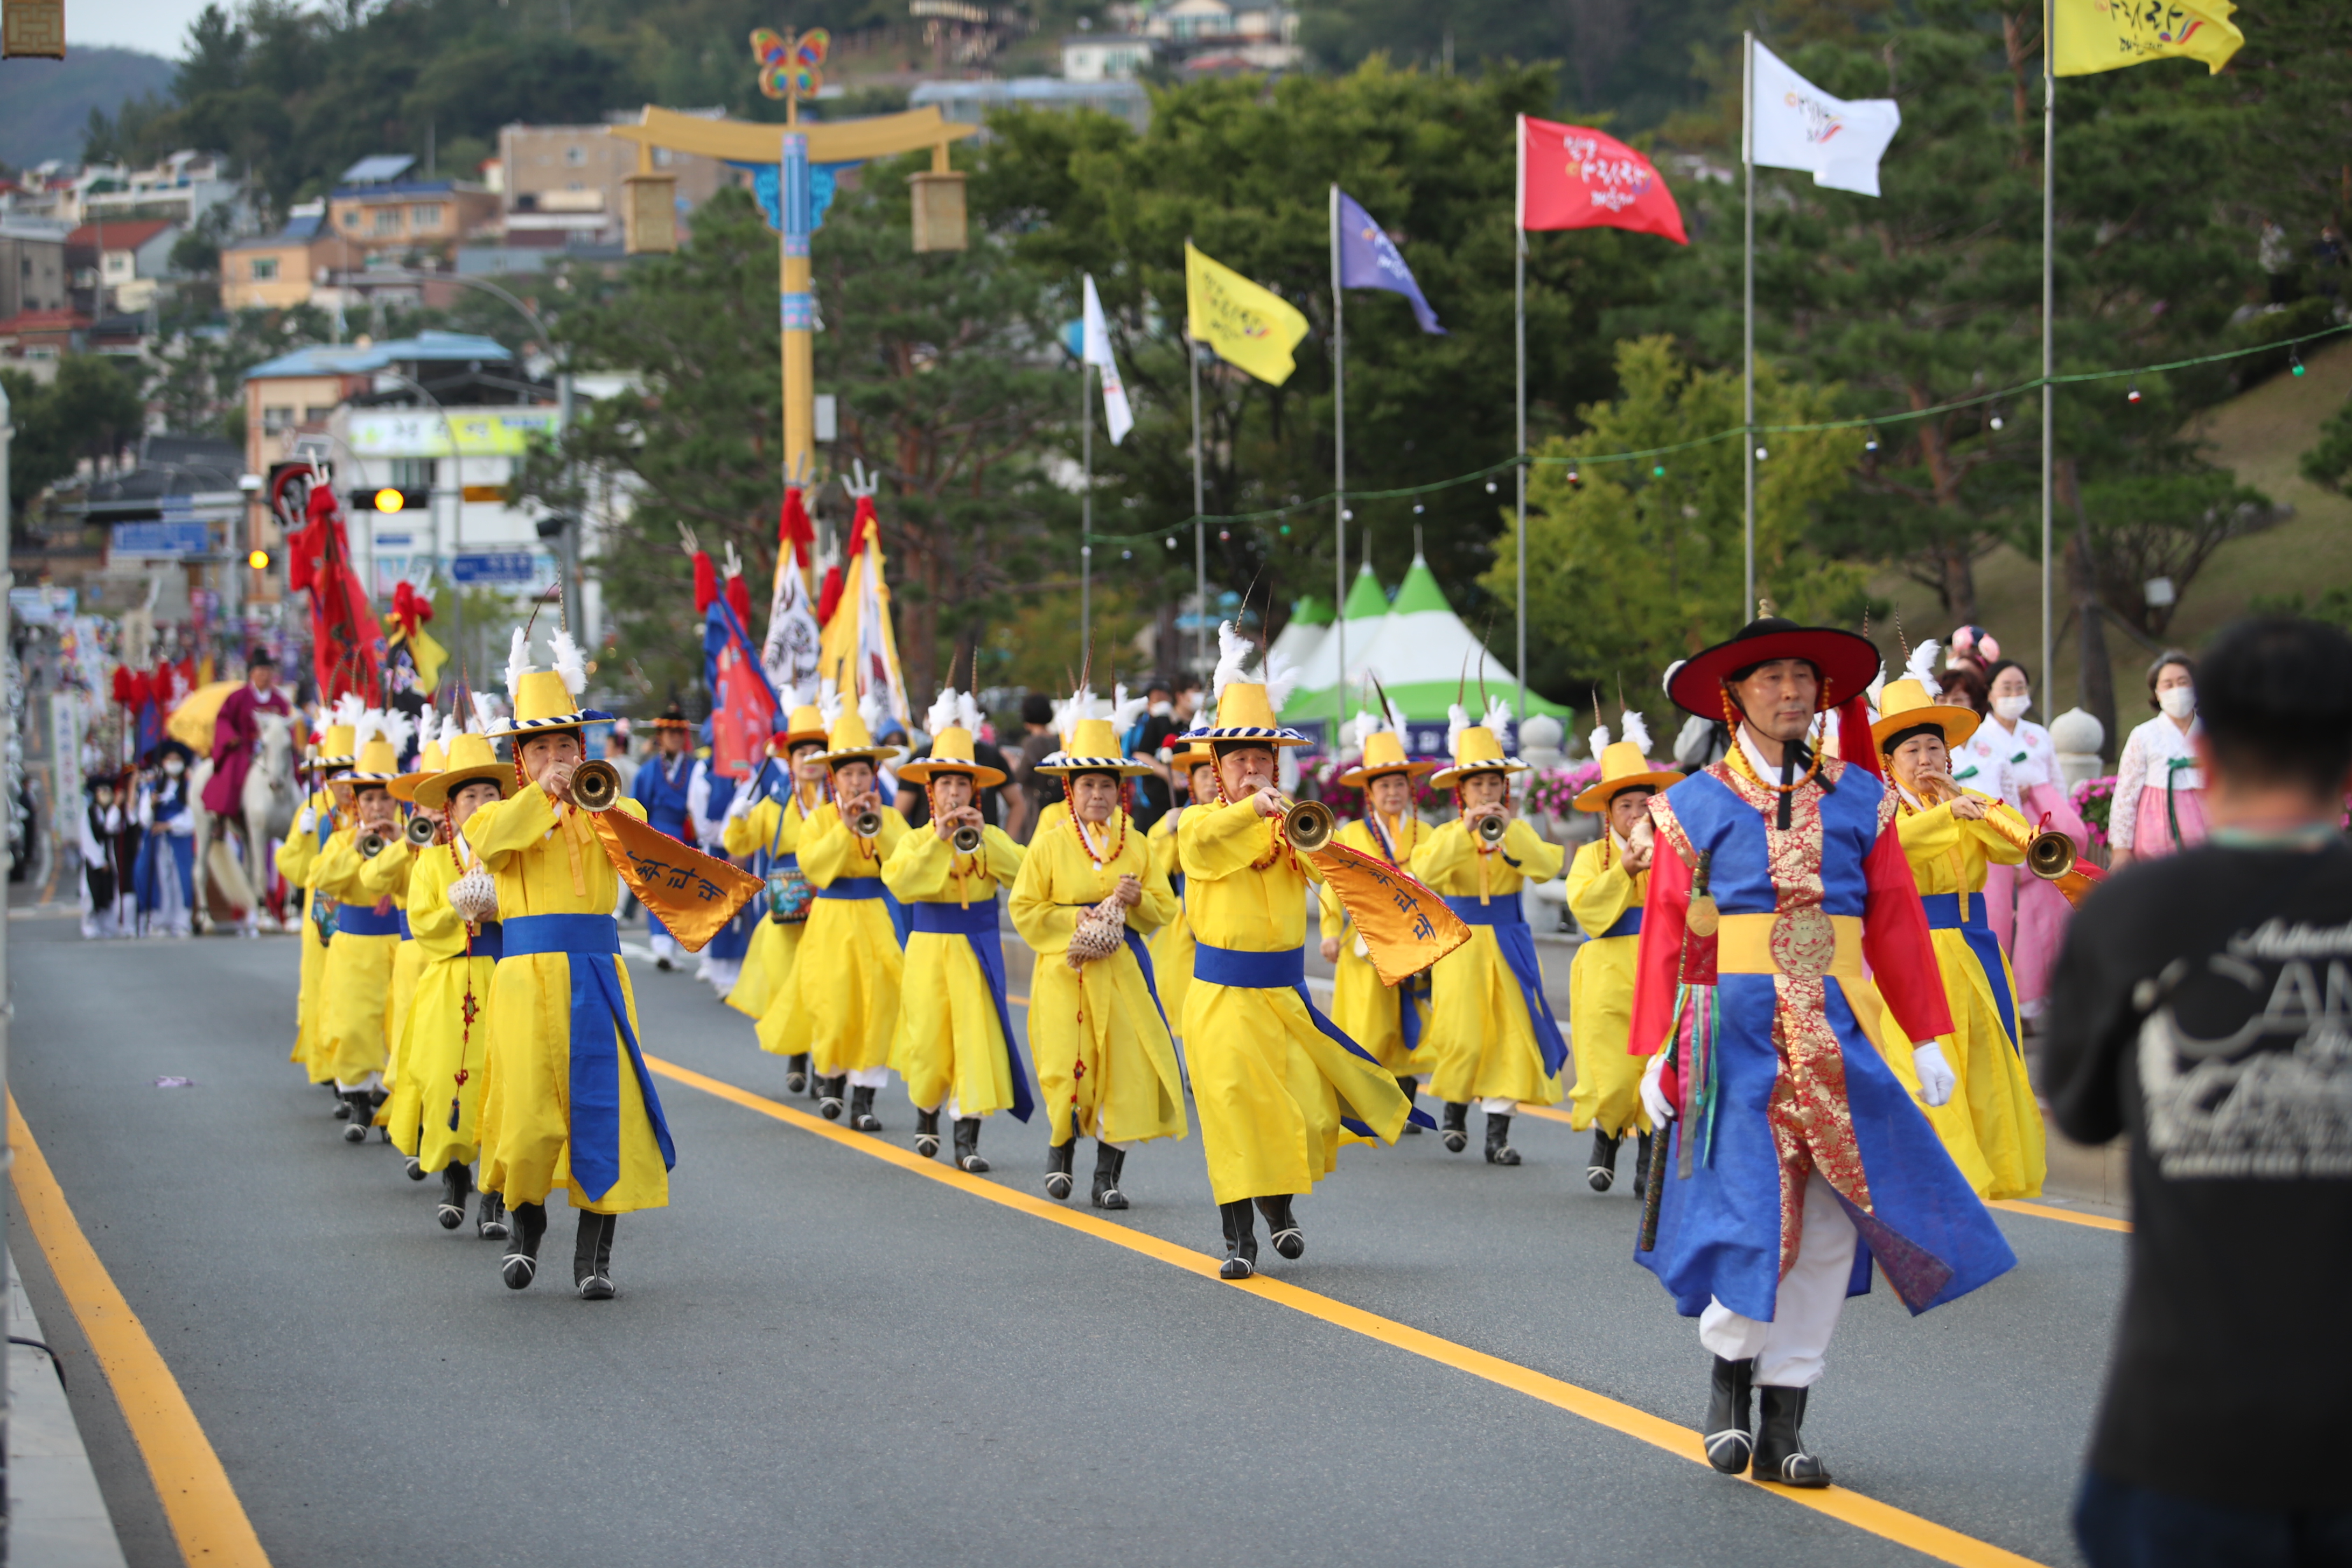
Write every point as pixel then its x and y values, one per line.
pixel 738 599
pixel 706 582
pixel 828 597
pixel 794 528
pixel 1856 744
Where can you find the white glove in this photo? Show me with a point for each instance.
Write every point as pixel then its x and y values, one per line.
pixel 1935 1080
pixel 308 821
pixel 741 805
pixel 1653 1092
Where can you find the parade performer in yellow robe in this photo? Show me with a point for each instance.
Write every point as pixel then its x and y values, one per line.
pixel 436 1110
pixel 1391 1022
pixel 297 860
pixel 1950 835
pixel 955 1045
pixel 1274 1081
pixel 364 869
pixel 1091 890
pixel 1492 1032
pixel 847 974
pixel 1172 945
pixel 771 823
pixel 408 959
pixel 1606 884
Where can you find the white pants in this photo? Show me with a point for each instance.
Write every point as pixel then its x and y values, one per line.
pixel 664 945
pixel 1499 1105
pixel 869 1078
pixel 1789 1351
pixel 373 1081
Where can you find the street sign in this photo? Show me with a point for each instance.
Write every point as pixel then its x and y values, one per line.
pixel 495 566
pixel 172 538
pixel 394 541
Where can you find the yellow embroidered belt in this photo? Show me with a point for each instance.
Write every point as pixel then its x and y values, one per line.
pixel 1803 943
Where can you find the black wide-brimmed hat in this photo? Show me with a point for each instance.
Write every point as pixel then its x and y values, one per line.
pixel 1848 663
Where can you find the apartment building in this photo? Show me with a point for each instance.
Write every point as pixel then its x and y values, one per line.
pixel 380 211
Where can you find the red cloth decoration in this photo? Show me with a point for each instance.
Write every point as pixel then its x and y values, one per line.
pixel 1855 743
pixel 706 582
pixel 860 524
pixel 738 599
pixel 828 597
pixel 794 528
pixel 1572 176
pixel 130 685
pixel 410 608
pixel 344 643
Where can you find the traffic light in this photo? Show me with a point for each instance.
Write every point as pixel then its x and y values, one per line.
pixel 390 499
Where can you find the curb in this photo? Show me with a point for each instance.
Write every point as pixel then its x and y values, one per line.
pixel 57 1517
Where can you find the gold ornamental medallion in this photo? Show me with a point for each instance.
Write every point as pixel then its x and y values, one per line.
pixel 1803 942
pixel 1702 917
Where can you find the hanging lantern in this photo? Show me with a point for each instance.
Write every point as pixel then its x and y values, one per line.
pixel 32 27
pixel 938 209
pixel 649 214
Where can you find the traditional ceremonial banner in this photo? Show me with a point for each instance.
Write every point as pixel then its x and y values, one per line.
pixel 2096 36
pixel 860 650
pixel 1095 336
pixel 1797 126
pixel 692 894
pixel 789 653
pixel 1249 326
pixel 743 705
pixel 1405 926
pixel 1574 177
pixel 1369 258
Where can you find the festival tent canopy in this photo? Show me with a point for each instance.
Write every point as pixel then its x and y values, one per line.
pixel 1420 650
pixel 1309 626
pixel 1366 610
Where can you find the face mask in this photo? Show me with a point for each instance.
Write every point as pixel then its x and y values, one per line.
pixel 175 767
pixel 2178 702
pixel 2012 709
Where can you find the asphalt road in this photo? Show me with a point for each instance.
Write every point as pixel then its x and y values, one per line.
pixel 817 1357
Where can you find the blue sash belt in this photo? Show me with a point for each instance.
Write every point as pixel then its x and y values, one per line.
pixel 1276 971
pixel 1508 921
pixel 490 941
pixel 405 934
pixel 591 944
pixel 361 919
pixel 1143 961
pixel 1628 924
pixel 977 925
pixel 1944 914
pixel 852 888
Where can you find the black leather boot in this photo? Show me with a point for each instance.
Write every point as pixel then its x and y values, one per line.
pixel 1456 1127
pixel 861 1109
pixel 415 1169
pixel 1412 1087
pixel 1282 1226
pixel 1727 1433
pixel 1780 1444
pixel 1499 1140
pixel 376 1098
pixel 359 1113
pixel 457 1181
pixel 592 1256
pixel 520 1265
pixel 1059 1157
pixel 927 1132
pixel 342 1106
pixel 1642 1162
pixel 967 1146
pixel 1600 1170
pixel 1108 1163
pixel 829 1093
pixel 490 1219
pixel 1241 1240
pixel 796 1072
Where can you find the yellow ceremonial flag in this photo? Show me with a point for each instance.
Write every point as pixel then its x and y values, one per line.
pixel 1406 927
pixel 692 894
pixel 1247 325
pixel 2107 35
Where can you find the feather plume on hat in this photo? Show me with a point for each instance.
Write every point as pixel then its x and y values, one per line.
pixel 1498 715
pixel 1457 719
pixel 871 709
pixel 829 703
pixel 450 730
pixel 398 728
pixel 1367 725
pixel 369 727
pixel 968 713
pixel 349 710
pixel 1600 740
pixel 1281 678
pixel 1637 729
pixel 569 663
pixel 945 713
pixel 1125 709
pixel 486 716
pixel 518 661
pixel 1922 668
pixel 1233 656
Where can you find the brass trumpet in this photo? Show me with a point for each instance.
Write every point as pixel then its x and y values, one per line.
pixel 372 844
pixel 966 840
pixel 2049 854
pixel 422 831
pixel 595 785
pixel 1491 829
pixel 866 823
pixel 1308 825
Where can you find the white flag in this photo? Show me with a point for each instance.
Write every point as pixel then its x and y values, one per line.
pixel 1795 125
pixel 789 653
pixel 1118 418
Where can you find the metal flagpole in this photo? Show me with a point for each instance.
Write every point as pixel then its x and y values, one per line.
pixel 1338 468
pixel 1519 332
pixel 1085 508
pixel 2049 302
pixel 1200 524
pixel 1747 301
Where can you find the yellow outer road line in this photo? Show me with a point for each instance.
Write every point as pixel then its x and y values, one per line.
pixel 1894 1525
pixel 206 1518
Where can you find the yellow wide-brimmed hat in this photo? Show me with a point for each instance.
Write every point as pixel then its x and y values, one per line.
pixel 379 760
pixel 805 725
pixel 1384 754
pixel 1476 750
pixel 1092 747
pixel 542 701
pixel 336 748
pixel 1192 753
pixel 1245 713
pixel 430 759
pixel 1624 767
pixel 1905 705
pixel 851 741
pixel 951 753
pixel 470 761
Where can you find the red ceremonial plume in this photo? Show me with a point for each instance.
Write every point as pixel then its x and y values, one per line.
pixel 1855 743
pixel 1571 177
pixel 738 599
pixel 794 528
pixel 127 684
pixel 706 582
pixel 828 597
pixel 860 524
pixel 410 608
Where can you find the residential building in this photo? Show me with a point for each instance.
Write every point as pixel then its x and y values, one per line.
pixel 183 187
pixel 170 516
pixel 969 102
pixel 120 264
pixel 560 186
pixel 32 264
pixel 278 270
pixel 380 212
pixel 34 340
pixel 1210 37
pixel 1106 56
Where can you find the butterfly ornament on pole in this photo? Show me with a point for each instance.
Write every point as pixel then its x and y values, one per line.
pixel 791 65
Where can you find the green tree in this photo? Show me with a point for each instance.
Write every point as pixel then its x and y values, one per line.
pixel 1631 566
pixel 91 410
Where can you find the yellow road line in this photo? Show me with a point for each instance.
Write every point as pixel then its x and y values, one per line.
pixel 206 1518
pixel 1921 1535
pixel 2043 1211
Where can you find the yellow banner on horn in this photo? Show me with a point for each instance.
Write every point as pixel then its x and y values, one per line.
pixel 693 894
pixel 1405 925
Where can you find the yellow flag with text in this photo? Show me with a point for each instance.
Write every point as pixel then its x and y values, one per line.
pixel 1247 325
pixel 2108 35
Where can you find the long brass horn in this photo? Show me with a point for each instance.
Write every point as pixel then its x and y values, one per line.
pixel 422 831
pixel 2049 854
pixel 1308 825
pixel 866 823
pixel 370 845
pixel 595 786
pixel 1491 829
pixel 966 840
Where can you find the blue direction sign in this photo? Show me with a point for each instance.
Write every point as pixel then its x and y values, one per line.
pixel 174 538
pixel 495 566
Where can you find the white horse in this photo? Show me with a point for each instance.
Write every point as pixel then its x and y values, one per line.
pixel 267 812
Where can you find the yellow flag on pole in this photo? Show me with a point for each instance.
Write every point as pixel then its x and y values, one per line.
pixel 2107 35
pixel 1246 324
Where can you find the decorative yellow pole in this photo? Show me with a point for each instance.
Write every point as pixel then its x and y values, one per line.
pixel 788 67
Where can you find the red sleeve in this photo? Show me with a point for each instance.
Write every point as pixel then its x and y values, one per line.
pixel 1661 950
pixel 233 726
pixel 1895 939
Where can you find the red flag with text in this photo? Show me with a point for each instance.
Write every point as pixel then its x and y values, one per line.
pixel 1574 177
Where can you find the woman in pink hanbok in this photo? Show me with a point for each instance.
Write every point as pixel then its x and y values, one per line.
pixel 2012 758
pixel 2159 800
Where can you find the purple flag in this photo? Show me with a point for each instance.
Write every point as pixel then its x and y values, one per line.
pixel 1369 258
